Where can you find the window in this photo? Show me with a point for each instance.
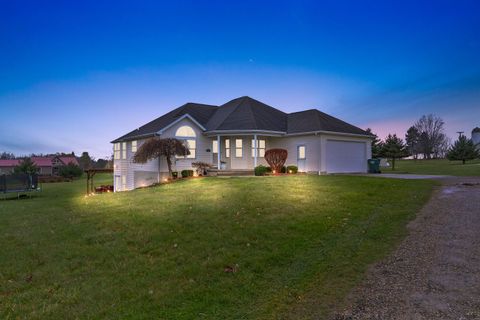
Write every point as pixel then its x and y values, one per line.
pixel 192 147
pixel 134 146
pixel 260 148
pixel 187 134
pixel 124 183
pixel 227 148
pixel 214 146
pixel 116 151
pixel 301 153
pixel 185 131
pixel 124 150
pixel 238 148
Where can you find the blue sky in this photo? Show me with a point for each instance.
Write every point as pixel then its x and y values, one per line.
pixel 74 75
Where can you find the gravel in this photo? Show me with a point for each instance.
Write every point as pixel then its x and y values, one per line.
pixel 435 271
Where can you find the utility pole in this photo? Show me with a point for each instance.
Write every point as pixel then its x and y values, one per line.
pixel 460 133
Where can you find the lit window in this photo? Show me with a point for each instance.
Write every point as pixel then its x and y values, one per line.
pixel 187 134
pixel 227 148
pixel 301 153
pixel 214 146
pixel 116 151
pixel 192 147
pixel 134 146
pixel 260 148
pixel 124 150
pixel 185 131
pixel 238 148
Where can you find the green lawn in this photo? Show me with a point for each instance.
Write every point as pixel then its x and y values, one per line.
pixel 438 167
pixel 299 243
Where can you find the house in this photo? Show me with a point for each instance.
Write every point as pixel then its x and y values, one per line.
pixel 235 135
pixel 47 165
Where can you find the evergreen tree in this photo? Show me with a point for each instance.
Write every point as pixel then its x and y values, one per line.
pixel 412 140
pixel 463 149
pixel 394 148
pixel 85 161
pixel 26 166
pixel 376 144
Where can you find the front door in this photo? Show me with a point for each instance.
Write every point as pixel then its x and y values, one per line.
pixel 301 158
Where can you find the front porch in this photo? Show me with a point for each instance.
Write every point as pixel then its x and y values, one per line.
pixel 239 152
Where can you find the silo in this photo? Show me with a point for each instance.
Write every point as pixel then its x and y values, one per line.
pixel 476 137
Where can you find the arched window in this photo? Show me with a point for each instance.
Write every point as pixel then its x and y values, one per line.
pixel 187 134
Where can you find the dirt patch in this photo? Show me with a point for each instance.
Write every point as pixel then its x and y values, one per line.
pixel 435 272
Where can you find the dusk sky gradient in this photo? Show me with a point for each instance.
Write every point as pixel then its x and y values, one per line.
pixel 75 75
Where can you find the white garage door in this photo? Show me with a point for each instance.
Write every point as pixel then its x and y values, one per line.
pixel 346 156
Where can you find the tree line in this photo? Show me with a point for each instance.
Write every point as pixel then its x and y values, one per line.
pixel 70 170
pixel 425 138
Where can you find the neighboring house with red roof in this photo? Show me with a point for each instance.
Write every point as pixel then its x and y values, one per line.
pixel 48 165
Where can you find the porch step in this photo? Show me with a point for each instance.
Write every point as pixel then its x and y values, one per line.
pixel 232 172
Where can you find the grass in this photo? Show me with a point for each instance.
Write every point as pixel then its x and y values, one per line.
pixel 299 244
pixel 437 167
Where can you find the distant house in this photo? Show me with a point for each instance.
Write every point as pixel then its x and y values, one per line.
pixel 47 165
pixel 235 136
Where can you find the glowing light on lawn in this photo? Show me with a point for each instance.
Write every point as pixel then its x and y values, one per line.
pixel 290 171
pixel 274 171
pixel 195 174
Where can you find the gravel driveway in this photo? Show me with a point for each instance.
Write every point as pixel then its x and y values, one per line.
pixel 435 271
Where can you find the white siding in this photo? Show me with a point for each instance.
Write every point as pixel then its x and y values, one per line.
pixel 203 143
pixel 312 150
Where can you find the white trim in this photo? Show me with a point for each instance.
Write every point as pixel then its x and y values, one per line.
pixel 330 132
pixel 186 115
pixel 255 150
pixel 218 153
pixel 244 132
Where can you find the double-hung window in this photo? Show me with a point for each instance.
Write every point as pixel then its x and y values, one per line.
pixel 124 150
pixel 116 151
pixel 260 148
pixel 227 148
pixel 214 146
pixel 301 153
pixel 134 146
pixel 238 148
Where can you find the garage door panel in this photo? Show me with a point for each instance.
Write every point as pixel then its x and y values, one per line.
pixel 346 156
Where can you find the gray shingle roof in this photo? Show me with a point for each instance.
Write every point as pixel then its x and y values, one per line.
pixel 314 120
pixel 245 113
pixel 200 112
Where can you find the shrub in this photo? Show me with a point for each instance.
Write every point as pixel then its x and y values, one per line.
pixel 70 171
pixel 175 174
pixel 276 159
pixel 201 167
pixel 292 169
pixel 261 170
pixel 284 169
pixel 187 173
pixel 26 166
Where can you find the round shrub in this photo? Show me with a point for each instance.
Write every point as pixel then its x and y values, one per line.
pixel 261 170
pixel 292 169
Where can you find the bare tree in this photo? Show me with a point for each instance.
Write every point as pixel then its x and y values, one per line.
pixel 432 136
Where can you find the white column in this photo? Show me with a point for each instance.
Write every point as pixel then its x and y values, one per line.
pixel 218 152
pixel 255 150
